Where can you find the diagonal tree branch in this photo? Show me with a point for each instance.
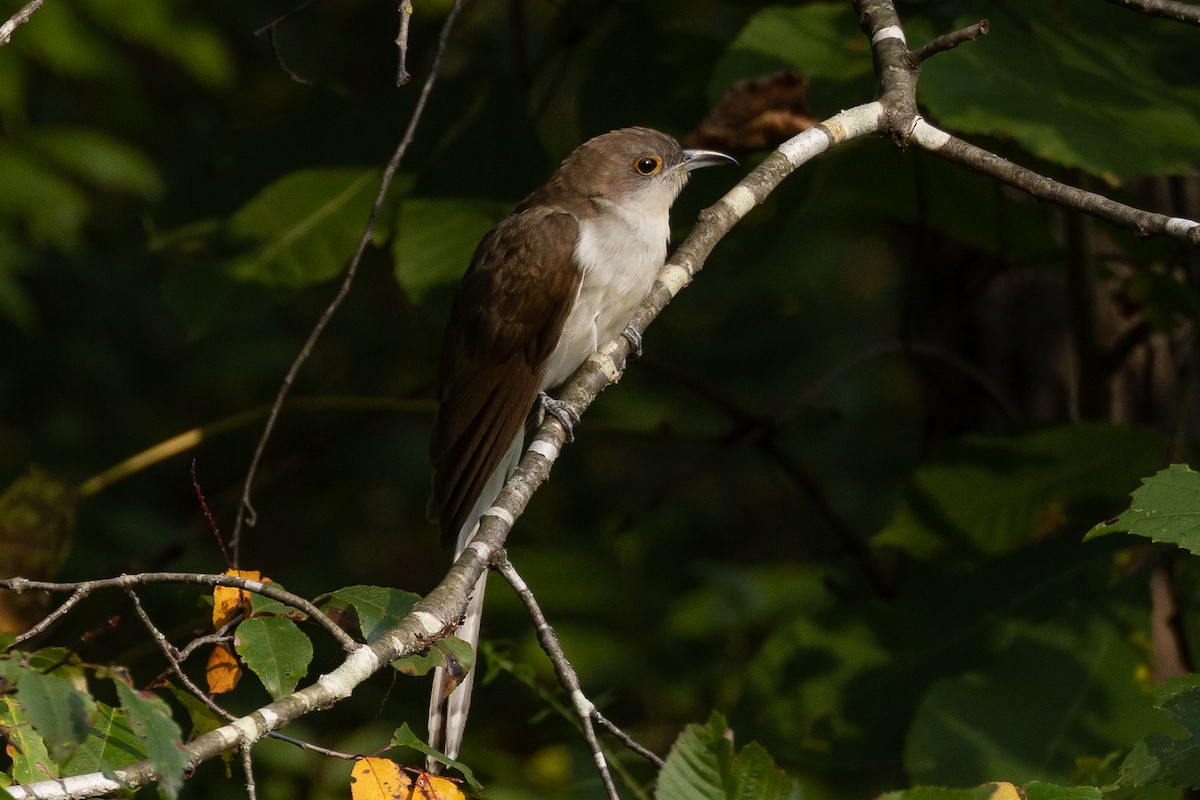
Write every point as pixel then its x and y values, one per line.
pixel 898 79
pixel 17 20
pixel 437 614
pixel 895 113
pixel 1170 9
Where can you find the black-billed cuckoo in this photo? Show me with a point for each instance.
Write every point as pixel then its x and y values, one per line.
pixel 550 284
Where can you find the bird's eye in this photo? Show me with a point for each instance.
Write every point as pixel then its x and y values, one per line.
pixel 647 165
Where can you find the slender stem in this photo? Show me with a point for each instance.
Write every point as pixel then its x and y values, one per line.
pixel 562 667
pixel 948 41
pixel 17 20
pixel 246 513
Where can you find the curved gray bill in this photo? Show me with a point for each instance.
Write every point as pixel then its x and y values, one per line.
pixel 695 159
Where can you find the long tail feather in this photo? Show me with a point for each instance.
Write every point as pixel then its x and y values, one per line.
pixel 448 715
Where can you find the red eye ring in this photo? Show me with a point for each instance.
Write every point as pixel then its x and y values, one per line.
pixel 647 165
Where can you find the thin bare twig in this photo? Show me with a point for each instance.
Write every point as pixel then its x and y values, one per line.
pixel 208 517
pixel 948 41
pixel 403 76
pixel 123 582
pixel 1170 9
pixel 175 657
pixel 296 9
pixel 17 20
pixel 567 676
pixel 52 617
pixel 194 437
pixel 898 81
pixel 248 769
pixel 246 511
pixel 270 28
pixel 627 740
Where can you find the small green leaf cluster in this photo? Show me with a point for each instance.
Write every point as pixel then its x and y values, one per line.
pixel 55 727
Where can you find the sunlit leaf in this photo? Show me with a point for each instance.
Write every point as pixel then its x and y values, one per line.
pixel 110 745
pixel 821 40
pixel 435 240
pixel 261 604
pixel 1166 508
pixel 31 761
pixel 379 779
pixel 1174 759
pixel 435 787
pixel 404 737
pixel 275 650
pixel 378 608
pixel 704 765
pixel 229 601
pixel 150 718
pixel 453 654
pixel 223 670
pixel 61 713
pixel 304 227
pixel 1049 78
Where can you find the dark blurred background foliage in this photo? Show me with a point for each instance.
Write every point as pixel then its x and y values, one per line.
pixel 840 498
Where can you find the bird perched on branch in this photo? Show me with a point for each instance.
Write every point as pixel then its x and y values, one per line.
pixel 548 286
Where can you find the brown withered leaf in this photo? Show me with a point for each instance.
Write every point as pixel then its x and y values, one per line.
pixel 756 114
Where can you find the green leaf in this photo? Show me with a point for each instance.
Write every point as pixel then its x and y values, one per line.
pixel 304 227
pixel 54 209
pixel 419 664
pixel 31 760
pixel 98 159
pixel 378 608
pixel 990 791
pixel 203 718
pixel 262 605
pixel 452 653
pixel 150 718
pixel 702 765
pixel 1050 78
pixel 1058 693
pixel 110 745
pixel 61 713
pixel 821 40
pixel 1174 760
pixel 275 650
pixel 1048 791
pixel 435 240
pixel 993 494
pixel 1166 508
pixel 404 737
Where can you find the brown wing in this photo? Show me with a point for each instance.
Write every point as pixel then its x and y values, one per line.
pixel 505 322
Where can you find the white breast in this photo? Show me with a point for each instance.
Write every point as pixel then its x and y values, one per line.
pixel 620 252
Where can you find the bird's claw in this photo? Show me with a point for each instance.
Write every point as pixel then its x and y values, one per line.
pixel 635 340
pixel 562 411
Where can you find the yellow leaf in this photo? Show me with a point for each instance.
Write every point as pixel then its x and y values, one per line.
pixel 223 671
pixel 1004 791
pixel 379 779
pixel 434 787
pixel 229 600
